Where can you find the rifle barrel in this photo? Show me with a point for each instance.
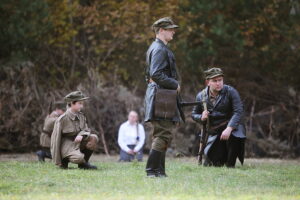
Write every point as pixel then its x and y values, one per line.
pixel 183 104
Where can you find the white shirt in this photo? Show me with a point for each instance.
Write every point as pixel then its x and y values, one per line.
pixel 128 135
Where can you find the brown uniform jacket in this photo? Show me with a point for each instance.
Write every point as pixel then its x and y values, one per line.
pixel 66 128
pixel 45 138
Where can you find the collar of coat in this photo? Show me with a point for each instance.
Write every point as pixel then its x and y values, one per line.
pixel 54 114
pixel 160 41
pixel 71 115
pixel 219 97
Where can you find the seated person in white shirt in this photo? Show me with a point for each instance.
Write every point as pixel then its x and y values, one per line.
pixel 131 139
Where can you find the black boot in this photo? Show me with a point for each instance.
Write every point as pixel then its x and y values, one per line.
pixel 153 163
pixel 48 154
pixel 87 165
pixel 41 155
pixel 162 167
pixel 64 163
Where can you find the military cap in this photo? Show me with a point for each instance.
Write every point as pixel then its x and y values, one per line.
pixel 213 72
pixel 59 105
pixel 165 23
pixel 75 96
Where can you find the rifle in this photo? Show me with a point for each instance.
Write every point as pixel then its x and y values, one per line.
pixel 204 136
pixel 204 129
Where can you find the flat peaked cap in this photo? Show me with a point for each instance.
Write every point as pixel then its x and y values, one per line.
pixel 59 104
pixel 75 96
pixel 213 72
pixel 165 23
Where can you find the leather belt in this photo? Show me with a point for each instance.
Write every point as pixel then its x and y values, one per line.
pixel 218 126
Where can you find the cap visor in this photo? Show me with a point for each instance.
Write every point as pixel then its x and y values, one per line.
pixel 171 26
pixel 82 99
pixel 214 76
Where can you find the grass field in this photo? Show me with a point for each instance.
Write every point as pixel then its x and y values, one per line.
pixel 257 179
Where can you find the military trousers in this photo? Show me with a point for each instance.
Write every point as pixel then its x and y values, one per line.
pixel 75 151
pixel 225 152
pixel 162 135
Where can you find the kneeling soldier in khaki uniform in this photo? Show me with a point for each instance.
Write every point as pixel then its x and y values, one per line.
pixel 45 138
pixel 71 139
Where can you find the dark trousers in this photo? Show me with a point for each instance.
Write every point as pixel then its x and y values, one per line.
pixel 126 157
pixel 162 135
pixel 225 151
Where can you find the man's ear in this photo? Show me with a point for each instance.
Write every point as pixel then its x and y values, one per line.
pixel 206 82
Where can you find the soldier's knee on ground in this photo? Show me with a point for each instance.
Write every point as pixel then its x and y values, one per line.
pixel 77 158
pixel 92 142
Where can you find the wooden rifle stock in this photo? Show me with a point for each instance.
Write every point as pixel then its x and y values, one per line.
pixel 204 136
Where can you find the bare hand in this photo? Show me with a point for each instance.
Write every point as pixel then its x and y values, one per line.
pixel 178 89
pixel 78 138
pixel 226 133
pixel 130 152
pixel 204 115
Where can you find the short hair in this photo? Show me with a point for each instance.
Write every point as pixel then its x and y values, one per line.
pixel 156 29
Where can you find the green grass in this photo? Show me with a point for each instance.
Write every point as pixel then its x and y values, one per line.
pixel 254 180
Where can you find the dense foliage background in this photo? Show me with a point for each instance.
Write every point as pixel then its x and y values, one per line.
pixel 49 48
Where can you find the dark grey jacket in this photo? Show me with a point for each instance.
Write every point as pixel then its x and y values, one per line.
pixel 228 107
pixel 161 68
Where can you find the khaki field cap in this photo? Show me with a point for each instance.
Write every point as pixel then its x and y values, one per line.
pixel 213 72
pixel 165 23
pixel 59 105
pixel 75 96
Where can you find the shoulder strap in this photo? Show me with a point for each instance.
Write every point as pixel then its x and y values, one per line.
pixel 137 133
pixel 137 130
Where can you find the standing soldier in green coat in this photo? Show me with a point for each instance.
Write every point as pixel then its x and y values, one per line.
pixel 45 138
pixel 71 139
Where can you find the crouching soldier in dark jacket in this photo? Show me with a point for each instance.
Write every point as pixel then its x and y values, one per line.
pixel 224 113
pixel 71 139
pixel 45 137
pixel 161 74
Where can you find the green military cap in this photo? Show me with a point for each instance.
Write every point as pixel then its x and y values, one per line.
pixel 165 23
pixel 75 96
pixel 213 72
pixel 59 105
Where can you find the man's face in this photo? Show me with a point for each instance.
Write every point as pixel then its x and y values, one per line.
pixel 77 107
pixel 216 84
pixel 168 34
pixel 132 117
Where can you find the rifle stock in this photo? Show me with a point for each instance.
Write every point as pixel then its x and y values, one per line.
pixel 204 130
pixel 204 136
pixel 184 104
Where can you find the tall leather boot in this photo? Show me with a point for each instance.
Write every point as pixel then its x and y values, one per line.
pixel 64 163
pixel 162 166
pixel 153 163
pixel 87 165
